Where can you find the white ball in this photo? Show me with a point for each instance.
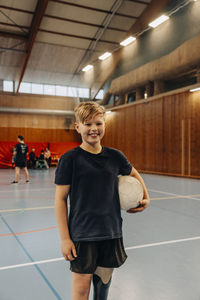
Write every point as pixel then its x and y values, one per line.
pixel 130 192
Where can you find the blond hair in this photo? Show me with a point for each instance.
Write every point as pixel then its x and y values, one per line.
pixel 87 110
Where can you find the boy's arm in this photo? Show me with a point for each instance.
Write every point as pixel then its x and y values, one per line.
pixel 67 246
pixel 146 201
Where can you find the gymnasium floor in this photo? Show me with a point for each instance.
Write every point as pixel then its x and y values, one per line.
pixel 163 242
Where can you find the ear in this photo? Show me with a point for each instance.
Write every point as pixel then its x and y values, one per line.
pixel 76 125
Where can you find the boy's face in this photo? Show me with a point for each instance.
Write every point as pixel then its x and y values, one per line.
pixel 92 130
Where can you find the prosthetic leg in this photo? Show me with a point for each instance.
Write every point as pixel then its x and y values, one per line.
pixel 101 282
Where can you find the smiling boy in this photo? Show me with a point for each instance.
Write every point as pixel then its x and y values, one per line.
pixel 91 236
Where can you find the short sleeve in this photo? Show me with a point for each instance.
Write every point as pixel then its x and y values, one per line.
pixel 63 175
pixel 124 164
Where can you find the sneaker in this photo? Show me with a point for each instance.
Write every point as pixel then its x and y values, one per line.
pixel 14 181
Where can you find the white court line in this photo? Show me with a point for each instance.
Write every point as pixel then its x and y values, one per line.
pixel 164 243
pixel 176 195
pixel 28 190
pixel 32 263
pixel 24 209
pixel 128 248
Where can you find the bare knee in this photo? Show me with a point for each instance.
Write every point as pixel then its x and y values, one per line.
pixel 81 286
pixel 17 170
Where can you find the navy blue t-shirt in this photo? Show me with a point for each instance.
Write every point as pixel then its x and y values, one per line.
pixel 21 150
pixel 95 212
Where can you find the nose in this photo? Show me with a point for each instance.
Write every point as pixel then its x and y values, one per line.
pixel 94 127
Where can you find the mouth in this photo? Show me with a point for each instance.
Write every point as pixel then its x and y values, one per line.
pixel 93 134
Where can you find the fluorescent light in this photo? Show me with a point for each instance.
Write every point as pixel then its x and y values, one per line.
pixel 158 21
pixel 105 55
pixel 87 68
pixel 195 89
pixel 127 41
pixel 108 112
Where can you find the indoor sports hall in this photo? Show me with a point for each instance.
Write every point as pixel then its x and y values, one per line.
pixel 140 59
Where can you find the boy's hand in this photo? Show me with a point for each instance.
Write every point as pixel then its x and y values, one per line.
pixel 68 250
pixel 143 204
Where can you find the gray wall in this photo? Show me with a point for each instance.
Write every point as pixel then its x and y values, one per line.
pixel 155 43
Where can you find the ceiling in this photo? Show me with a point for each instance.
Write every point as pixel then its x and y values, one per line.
pixel 50 41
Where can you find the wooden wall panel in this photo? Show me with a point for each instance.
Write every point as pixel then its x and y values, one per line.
pixel 39 135
pixel 159 136
pixel 37 101
pixel 195 133
pixel 36 127
pixel 32 121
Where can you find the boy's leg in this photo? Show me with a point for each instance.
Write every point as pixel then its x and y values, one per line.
pixel 81 286
pixel 101 282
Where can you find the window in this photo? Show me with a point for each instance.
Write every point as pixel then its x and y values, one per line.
pixel 83 93
pixel 49 89
pixel 7 86
pixel 100 94
pixel 37 88
pixel 25 87
pixel 61 90
pixel 72 91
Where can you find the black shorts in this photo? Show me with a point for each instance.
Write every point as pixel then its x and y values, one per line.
pixel 107 254
pixel 20 164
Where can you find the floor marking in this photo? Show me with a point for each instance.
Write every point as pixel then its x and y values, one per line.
pixel 127 248
pixel 176 195
pixel 32 260
pixel 26 209
pixel 152 199
pixel 163 243
pixel 15 213
pixel 32 263
pixel 30 231
pixel 28 190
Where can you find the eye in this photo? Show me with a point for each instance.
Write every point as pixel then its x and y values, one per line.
pixel 88 124
pixel 99 124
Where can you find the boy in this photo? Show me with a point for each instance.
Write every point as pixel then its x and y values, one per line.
pixel 20 153
pixel 91 237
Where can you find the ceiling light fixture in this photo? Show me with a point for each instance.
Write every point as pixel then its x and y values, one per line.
pixel 127 41
pixel 105 55
pixel 158 21
pixel 108 112
pixel 87 68
pixel 195 89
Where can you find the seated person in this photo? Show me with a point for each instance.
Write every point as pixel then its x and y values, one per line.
pixel 32 159
pixel 42 163
pixel 47 155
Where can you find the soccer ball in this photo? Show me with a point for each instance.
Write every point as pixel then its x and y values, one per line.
pixel 130 192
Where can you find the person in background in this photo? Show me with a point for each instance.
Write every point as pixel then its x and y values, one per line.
pixel 20 153
pixel 42 163
pixel 32 159
pixel 47 156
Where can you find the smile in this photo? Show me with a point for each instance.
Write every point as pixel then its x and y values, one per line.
pixel 93 134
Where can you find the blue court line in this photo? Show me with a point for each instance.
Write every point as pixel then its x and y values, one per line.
pixel 30 257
